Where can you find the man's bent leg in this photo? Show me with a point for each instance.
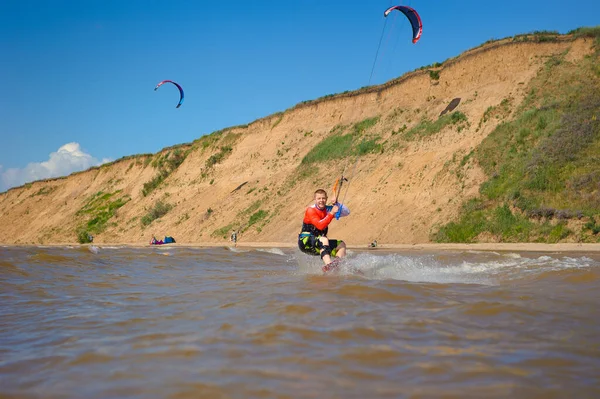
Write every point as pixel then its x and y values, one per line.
pixel 325 250
pixel 341 249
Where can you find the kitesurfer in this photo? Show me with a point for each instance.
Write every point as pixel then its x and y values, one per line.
pixel 313 239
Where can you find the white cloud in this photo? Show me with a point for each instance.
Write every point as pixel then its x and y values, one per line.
pixel 68 159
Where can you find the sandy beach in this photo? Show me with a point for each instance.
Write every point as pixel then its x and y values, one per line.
pixel 517 247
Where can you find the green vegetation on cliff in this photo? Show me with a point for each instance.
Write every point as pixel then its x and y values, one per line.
pixel 98 210
pixel 543 165
pixel 339 145
pixel 166 163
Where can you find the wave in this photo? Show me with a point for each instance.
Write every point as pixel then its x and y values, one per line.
pixel 465 268
pixel 274 251
pixel 237 250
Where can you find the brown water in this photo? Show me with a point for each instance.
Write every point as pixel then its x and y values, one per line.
pixel 219 323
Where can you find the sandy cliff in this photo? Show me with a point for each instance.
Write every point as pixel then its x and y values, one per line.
pixel 397 196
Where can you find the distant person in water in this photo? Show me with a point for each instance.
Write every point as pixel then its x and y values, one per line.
pixel 234 238
pixel 313 238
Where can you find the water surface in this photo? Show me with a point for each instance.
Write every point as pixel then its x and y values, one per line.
pixel 176 322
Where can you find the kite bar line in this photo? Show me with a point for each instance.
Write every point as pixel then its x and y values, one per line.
pixel 337 187
pixel 339 212
pixel 377 53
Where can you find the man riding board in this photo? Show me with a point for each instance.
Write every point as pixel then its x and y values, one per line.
pixel 313 239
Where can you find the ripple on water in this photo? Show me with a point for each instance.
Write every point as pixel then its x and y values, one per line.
pixel 133 323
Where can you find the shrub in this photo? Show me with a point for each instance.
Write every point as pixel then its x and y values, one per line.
pixel 166 165
pixel 83 237
pixel 508 225
pixel 591 225
pixel 159 210
pixel 465 231
pixel 218 157
pixel 593 32
pixel 155 182
pixel 176 159
pixel 558 232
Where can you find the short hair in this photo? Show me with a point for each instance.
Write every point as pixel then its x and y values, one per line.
pixel 321 191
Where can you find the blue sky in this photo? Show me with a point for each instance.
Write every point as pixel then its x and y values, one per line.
pixel 79 76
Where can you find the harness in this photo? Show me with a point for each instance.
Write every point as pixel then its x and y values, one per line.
pixel 309 238
pixel 309 229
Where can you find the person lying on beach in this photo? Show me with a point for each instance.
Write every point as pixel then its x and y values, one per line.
pixel 154 241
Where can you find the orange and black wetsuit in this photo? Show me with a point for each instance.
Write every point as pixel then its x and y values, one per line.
pixel 315 225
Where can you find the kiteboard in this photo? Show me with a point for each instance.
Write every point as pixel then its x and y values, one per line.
pixel 332 267
pixel 335 265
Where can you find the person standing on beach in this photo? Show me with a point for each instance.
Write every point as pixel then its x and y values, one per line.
pixel 234 238
pixel 313 239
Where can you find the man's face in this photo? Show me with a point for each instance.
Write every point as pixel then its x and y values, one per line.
pixel 320 200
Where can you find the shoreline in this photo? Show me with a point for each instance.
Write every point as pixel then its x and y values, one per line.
pixel 520 247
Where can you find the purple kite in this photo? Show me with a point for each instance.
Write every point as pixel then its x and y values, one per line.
pixel 413 17
pixel 179 87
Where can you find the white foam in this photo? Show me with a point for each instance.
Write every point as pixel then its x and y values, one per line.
pixel 237 250
pixel 512 255
pixel 274 251
pixel 491 270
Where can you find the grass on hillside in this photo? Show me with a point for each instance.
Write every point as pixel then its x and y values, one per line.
pixel 255 218
pixel 223 231
pixel 339 145
pixel 592 32
pixel 343 141
pixel 427 128
pixel 159 210
pixel 218 157
pixel 166 164
pixel 44 191
pixel 543 165
pixel 99 209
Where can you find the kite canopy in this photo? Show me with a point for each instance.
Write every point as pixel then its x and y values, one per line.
pixel 413 17
pixel 179 87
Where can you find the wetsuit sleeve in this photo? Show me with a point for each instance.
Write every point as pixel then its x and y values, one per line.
pixel 313 217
